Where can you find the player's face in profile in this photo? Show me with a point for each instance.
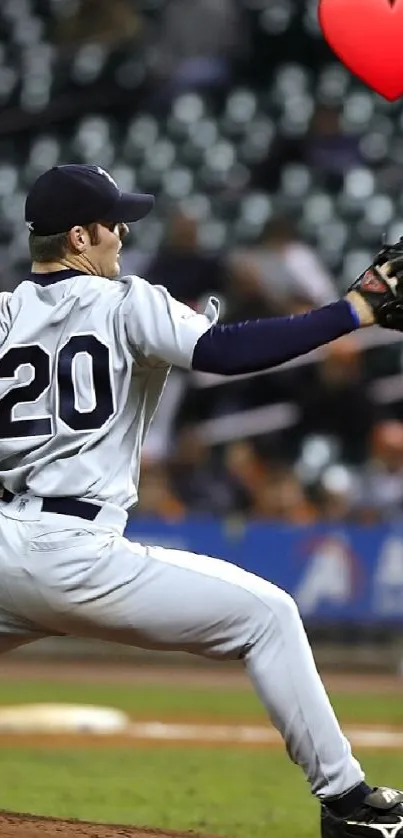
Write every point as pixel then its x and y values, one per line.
pixel 105 254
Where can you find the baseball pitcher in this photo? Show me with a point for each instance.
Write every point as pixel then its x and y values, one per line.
pixel 84 356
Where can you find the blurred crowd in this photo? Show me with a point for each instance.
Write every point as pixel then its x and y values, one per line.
pixel 241 480
pixel 262 197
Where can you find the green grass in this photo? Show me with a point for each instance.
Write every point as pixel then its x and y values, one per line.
pixel 369 709
pixel 238 792
pixel 144 701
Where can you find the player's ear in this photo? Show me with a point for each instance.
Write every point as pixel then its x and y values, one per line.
pixel 78 238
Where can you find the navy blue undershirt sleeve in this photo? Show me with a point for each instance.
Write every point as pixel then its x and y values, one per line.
pixel 255 345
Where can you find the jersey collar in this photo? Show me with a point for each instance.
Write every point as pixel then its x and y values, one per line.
pixel 53 276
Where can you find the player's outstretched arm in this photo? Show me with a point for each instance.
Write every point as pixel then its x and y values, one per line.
pixel 163 332
pixel 261 344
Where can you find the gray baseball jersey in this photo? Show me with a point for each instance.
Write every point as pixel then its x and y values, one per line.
pixel 83 363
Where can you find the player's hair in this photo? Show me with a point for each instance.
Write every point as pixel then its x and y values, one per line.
pixel 55 247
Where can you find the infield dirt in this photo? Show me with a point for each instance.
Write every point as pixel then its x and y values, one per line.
pixel 29 826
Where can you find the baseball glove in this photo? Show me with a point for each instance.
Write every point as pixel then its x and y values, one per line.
pixel 383 289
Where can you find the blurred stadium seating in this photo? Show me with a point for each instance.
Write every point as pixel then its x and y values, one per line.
pixel 203 146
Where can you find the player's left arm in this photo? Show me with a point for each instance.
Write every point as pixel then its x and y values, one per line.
pixel 159 328
pixel 376 296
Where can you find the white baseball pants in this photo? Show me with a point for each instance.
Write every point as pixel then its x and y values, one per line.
pixel 64 575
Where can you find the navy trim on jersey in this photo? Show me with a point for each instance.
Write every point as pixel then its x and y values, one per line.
pixel 53 276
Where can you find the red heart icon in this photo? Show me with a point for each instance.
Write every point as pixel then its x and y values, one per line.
pixel 367 36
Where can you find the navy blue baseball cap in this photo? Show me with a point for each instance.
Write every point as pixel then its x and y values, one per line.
pixel 80 194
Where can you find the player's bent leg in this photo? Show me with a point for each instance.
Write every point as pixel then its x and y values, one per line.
pixel 16 629
pixel 261 625
pixel 155 598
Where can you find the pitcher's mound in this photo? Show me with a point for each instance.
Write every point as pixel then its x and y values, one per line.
pixel 32 826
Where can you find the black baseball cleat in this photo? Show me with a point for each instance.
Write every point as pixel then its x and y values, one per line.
pixel 380 814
